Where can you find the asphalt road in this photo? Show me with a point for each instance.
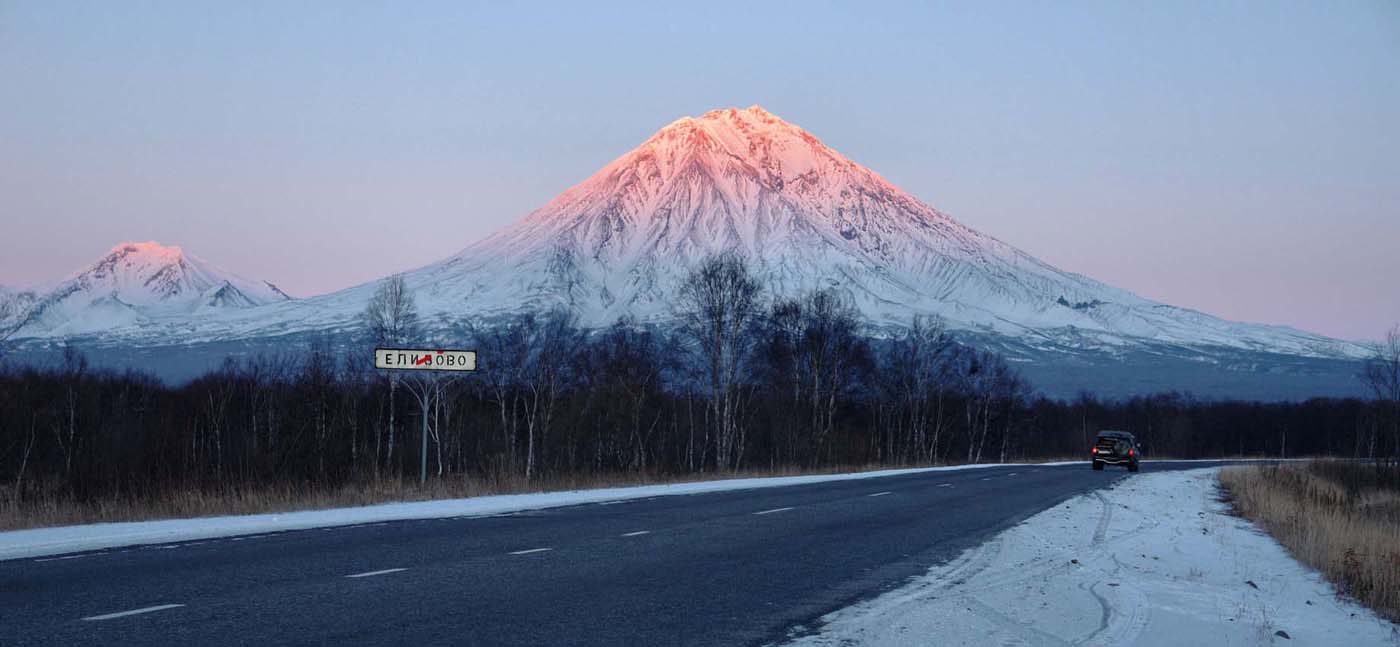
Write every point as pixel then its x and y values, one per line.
pixel 730 568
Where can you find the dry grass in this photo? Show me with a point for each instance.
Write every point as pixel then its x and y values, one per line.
pixel 46 507
pixel 1342 518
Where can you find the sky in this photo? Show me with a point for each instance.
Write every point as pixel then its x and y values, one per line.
pixel 1238 158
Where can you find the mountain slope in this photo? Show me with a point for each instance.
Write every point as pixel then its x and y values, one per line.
pixel 13 304
pixel 134 284
pixel 621 242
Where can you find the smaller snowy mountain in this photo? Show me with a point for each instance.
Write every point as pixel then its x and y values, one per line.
pixel 129 285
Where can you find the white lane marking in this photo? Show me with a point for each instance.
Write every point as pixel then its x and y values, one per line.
pixel 945 485
pixel 532 550
pixel 374 573
pixel 610 502
pixel 133 612
pixel 986 478
pixel 1012 474
pixel 636 534
pixel 774 510
pixel 878 494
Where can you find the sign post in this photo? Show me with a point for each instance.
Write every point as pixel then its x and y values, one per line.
pixel 405 359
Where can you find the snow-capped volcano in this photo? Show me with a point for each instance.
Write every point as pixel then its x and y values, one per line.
pixel 621 243
pixel 807 217
pixel 134 283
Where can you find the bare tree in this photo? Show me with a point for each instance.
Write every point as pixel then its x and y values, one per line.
pixel 915 382
pixel 504 351
pixel 1382 375
pixel 827 350
pixel 553 341
pixel 392 319
pixel 717 306
pixel 429 389
pixel 75 366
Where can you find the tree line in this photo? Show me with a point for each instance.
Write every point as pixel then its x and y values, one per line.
pixel 741 381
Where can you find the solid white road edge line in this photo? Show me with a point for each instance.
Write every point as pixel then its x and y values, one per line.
pixel 774 510
pixel 373 573
pixel 132 612
pixel 532 550
pixel 636 534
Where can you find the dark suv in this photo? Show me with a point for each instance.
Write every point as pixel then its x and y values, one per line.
pixel 1115 448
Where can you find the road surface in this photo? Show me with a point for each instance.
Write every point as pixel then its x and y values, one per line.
pixel 728 568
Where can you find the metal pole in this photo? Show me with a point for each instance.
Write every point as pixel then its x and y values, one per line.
pixel 423 456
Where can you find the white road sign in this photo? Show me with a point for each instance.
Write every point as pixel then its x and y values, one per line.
pixel 425 360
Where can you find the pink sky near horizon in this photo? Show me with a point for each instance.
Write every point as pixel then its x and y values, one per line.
pixel 1239 160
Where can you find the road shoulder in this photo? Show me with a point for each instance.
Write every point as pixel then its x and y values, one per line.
pixel 1154 560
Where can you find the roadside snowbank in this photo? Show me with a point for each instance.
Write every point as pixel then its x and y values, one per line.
pixel 1154 560
pixel 39 542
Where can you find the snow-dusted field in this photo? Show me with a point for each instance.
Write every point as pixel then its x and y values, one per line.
pixel 1154 560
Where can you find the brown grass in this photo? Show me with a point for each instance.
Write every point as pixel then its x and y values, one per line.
pixel 43 507
pixel 1342 518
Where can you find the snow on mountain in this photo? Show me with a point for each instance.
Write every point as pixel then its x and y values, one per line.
pixel 807 217
pixel 13 304
pixel 622 241
pixel 134 284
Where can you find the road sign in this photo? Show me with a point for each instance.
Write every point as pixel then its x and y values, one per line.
pixel 405 359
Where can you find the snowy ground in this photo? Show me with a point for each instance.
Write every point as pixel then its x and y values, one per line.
pixel 39 542
pixel 1152 561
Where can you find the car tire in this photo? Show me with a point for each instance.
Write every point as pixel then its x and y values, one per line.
pixel 1098 467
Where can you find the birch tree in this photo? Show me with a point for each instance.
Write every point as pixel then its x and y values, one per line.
pixel 392 320
pixel 717 307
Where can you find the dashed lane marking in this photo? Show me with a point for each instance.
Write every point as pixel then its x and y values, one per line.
pixel 133 612
pixel 374 573
pixel 774 510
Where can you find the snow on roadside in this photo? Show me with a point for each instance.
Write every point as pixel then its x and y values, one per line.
pixel 1154 560
pixel 40 542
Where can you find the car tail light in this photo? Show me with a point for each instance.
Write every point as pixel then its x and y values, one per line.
pixel 1093 450
pixel 1132 452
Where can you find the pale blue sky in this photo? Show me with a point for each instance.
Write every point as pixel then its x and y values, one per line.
pixel 1236 157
